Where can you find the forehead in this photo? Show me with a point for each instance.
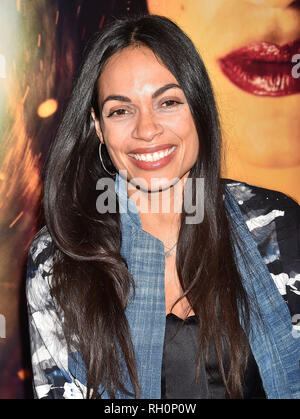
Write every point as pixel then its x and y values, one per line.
pixel 134 70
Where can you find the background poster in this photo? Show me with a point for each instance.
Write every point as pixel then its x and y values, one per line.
pixel 248 47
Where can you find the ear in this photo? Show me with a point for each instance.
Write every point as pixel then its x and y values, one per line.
pixel 97 125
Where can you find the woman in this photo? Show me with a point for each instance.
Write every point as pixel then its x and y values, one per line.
pixel 126 303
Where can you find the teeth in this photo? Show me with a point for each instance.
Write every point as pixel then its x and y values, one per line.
pixel 154 156
pixel 149 157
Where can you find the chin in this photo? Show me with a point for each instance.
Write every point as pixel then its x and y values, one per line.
pixel 154 184
pixel 167 181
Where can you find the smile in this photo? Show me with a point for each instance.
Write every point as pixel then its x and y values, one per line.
pixel 153 161
pixel 150 157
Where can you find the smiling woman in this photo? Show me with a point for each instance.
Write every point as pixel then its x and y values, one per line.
pixel 132 304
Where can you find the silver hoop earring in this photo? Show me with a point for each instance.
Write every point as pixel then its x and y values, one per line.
pixel 100 155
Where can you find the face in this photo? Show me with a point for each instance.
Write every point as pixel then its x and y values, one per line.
pixel 145 122
pixel 260 125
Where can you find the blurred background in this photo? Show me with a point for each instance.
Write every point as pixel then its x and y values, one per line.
pixel 247 46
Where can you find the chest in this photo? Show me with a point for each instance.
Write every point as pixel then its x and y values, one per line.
pixel 173 290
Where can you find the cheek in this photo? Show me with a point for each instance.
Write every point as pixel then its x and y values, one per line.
pixel 188 133
pixel 115 138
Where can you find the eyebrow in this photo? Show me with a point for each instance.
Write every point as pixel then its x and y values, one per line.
pixel 157 93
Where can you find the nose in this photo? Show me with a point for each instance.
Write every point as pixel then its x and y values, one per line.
pixel 282 4
pixel 146 127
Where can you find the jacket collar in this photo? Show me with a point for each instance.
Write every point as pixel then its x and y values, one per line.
pixel 128 209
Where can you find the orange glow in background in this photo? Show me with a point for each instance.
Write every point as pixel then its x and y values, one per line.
pixel 47 108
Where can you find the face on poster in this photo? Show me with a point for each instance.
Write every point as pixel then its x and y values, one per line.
pixel 247 46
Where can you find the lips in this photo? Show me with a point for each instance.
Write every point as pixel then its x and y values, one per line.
pixel 263 68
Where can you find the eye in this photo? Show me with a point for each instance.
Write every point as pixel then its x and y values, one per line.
pixel 171 103
pixel 117 112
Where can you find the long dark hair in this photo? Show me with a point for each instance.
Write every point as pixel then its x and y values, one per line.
pixel 91 282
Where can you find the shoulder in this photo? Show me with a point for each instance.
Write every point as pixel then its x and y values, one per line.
pixel 39 270
pixel 272 217
pixel 261 205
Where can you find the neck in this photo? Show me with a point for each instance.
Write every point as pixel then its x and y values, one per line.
pixel 160 211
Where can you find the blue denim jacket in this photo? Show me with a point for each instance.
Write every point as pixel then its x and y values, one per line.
pixel 276 351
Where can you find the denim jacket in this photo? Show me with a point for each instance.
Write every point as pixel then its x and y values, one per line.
pixel 275 348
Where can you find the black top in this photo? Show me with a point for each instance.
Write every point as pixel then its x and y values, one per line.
pixel 180 362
